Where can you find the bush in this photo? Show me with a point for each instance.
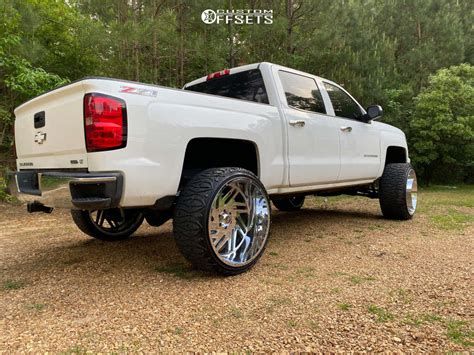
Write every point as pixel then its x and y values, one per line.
pixel 442 126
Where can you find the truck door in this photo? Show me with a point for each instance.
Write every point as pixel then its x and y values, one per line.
pixel 359 140
pixel 313 136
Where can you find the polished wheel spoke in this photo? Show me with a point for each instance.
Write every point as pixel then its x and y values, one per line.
pixel 411 192
pixel 242 225
pixel 221 242
pixel 239 222
pixel 102 218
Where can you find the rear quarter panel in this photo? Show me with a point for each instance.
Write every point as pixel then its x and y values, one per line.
pixel 161 126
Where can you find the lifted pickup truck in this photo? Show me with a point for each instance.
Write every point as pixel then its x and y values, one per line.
pixel 210 156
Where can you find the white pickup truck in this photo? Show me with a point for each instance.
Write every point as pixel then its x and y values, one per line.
pixel 211 156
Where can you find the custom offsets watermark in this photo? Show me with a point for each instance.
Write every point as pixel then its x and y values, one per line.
pixel 238 17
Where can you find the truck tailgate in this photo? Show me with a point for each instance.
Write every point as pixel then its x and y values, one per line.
pixel 49 130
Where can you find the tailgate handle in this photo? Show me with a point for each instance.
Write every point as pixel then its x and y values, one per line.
pixel 39 119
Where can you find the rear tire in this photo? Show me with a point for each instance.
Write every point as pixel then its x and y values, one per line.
pixel 289 204
pixel 222 220
pixel 398 191
pixel 110 225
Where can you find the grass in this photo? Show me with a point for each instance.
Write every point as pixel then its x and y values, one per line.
pixel 36 306
pixel 375 227
pixel 452 220
pixel 460 196
pixel 76 349
pixel 178 331
pixel 178 270
pixel 4 196
pixel 338 273
pixel 312 324
pixel 381 314
pixel 306 271
pixel 344 306
pixel 402 295
pixel 279 266
pixel 292 323
pixel 417 320
pixel 236 313
pixel 12 285
pixel 356 280
pixel 460 332
pixel 434 197
pixel 274 302
pixel 272 253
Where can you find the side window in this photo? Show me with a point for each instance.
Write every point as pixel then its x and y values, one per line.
pixel 342 103
pixel 302 92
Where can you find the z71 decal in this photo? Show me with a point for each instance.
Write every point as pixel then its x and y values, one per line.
pixel 138 91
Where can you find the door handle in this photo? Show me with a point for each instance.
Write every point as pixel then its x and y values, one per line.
pixel 346 128
pixel 297 123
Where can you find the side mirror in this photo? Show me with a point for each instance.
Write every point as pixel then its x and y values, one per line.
pixel 373 112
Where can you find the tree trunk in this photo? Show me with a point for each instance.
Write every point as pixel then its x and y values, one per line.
pixel 231 41
pixel 136 43
pixel 289 28
pixel 181 52
pixel 155 59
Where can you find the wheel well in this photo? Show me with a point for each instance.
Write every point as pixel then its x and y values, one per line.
pixel 204 153
pixel 396 155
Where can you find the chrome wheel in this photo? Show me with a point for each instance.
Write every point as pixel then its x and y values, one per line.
pixel 411 192
pixel 239 222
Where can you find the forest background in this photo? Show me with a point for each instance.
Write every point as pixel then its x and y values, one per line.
pixel 413 57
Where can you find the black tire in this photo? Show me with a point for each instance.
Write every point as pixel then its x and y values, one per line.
pixel 289 204
pixel 120 226
pixel 393 191
pixel 192 213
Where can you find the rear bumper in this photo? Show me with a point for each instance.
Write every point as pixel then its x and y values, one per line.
pixel 74 190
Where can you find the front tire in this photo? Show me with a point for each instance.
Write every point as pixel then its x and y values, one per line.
pixel 222 220
pixel 398 191
pixel 110 225
pixel 289 204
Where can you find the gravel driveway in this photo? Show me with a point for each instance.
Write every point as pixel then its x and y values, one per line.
pixel 335 276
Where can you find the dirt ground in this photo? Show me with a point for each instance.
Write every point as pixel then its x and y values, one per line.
pixel 335 276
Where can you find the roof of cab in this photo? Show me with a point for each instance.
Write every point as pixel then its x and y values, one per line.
pixel 233 71
pixel 250 67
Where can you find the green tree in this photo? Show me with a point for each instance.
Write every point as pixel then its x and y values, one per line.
pixel 442 127
pixel 19 79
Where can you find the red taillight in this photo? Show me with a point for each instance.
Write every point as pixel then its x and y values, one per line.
pixel 218 74
pixel 105 122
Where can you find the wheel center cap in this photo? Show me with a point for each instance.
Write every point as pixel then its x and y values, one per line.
pixel 225 219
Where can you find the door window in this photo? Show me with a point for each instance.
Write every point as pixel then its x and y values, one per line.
pixel 342 103
pixel 302 92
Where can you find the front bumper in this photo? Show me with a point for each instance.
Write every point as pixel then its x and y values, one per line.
pixel 61 189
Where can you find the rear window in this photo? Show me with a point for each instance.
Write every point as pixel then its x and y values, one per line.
pixel 247 85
